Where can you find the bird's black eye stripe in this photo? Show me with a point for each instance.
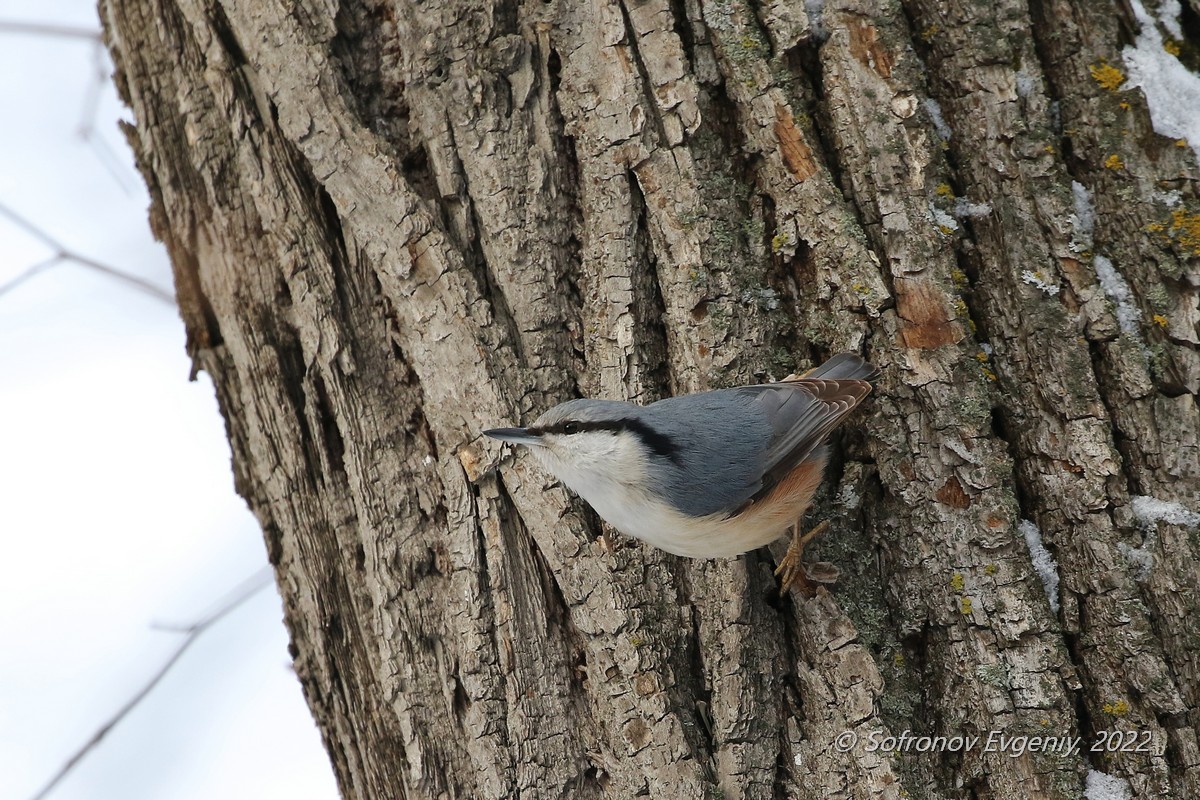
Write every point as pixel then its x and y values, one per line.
pixel 656 442
pixel 573 426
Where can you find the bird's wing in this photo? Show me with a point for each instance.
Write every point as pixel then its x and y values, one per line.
pixel 801 412
pixel 740 443
pixel 844 366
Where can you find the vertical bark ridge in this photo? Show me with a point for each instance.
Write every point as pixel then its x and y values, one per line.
pixel 739 640
pixel 887 155
pixel 1064 450
pixel 496 158
pixel 1148 374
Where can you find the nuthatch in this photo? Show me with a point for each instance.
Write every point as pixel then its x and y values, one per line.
pixel 706 475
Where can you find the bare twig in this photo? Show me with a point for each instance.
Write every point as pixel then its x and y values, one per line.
pixel 116 167
pixel 40 266
pixel 49 29
pixel 247 589
pixel 31 229
pixel 62 254
pixel 91 101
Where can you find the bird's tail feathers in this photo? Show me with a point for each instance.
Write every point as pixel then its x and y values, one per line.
pixel 845 366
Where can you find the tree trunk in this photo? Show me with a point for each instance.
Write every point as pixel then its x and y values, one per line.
pixel 395 224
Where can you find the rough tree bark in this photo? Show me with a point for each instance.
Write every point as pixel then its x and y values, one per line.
pixel 394 224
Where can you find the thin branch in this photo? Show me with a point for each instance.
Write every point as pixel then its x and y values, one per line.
pixel 108 158
pixel 91 100
pixel 63 253
pixel 235 597
pixel 248 588
pixel 41 266
pixel 31 229
pixel 49 29
pixel 138 283
pixel 87 121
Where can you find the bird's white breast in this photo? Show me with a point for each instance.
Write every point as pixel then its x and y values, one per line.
pixel 655 522
pixel 618 493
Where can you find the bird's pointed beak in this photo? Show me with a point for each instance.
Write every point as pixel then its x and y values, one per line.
pixel 516 436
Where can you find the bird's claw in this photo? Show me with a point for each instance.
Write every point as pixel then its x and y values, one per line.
pixel 793 570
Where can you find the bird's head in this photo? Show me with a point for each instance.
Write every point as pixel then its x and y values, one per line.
pixel 588 441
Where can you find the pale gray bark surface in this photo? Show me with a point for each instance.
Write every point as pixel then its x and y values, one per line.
pixel 395 224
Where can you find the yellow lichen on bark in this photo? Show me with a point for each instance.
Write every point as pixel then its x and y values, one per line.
pixel 1108 76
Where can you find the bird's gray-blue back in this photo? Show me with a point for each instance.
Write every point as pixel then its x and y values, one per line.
pixel 722 437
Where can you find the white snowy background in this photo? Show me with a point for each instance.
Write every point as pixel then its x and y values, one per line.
pixel 117 509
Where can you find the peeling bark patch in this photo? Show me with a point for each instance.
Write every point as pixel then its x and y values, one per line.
pixel 952 494
pixel 865 46
pixel 203 329
pixel 796 153
pixel 636 733
pixel 926 322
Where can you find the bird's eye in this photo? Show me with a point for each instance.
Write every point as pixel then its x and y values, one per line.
pixel 570 427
